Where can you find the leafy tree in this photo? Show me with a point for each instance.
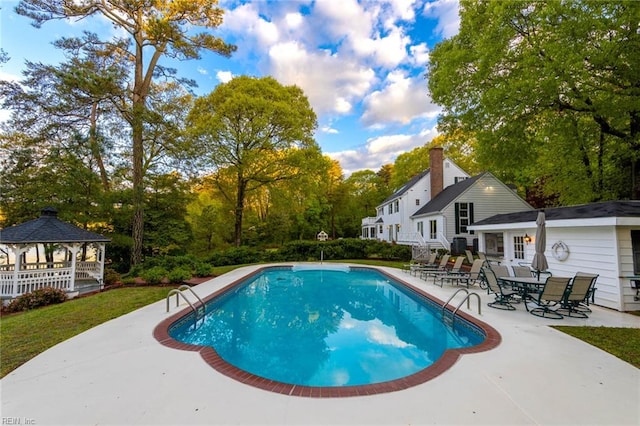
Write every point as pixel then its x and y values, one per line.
pixel 550 90
pixel 162 28
pixel 259 129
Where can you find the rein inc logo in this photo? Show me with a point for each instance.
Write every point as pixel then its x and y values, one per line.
pixel 18 421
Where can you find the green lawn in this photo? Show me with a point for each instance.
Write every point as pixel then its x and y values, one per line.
pixel 624 343
pixel 25 335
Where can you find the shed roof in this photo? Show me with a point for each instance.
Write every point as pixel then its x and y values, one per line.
pixel 627 208
pixel 48 229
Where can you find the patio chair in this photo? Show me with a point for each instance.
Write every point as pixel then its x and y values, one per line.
pixel 521 271
pixel 552 294
pixel 442 265
pixel 469 278
pixel 578 292
pixel 500 270
pixel 440 272
pixel 504 297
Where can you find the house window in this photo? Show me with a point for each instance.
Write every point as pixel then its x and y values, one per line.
pixel 373 232
pixel 397 206
pixel 421 228
pixel 390 208
pixel 464 217
pixel 635 250
pixel 433 229
pixel 518 247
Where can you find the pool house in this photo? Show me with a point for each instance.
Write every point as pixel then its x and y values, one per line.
pixel 597 238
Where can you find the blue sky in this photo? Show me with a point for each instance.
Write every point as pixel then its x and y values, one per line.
pixel 360 63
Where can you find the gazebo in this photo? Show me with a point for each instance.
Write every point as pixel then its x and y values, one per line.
pixel 25 275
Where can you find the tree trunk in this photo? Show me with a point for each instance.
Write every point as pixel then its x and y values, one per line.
pixel 137 222
pixel 242 186
pixel 95 148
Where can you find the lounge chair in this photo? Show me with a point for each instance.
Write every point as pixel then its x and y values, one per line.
pixel 469 256
pixel 504 297
pixel 440 272
pixel 552 294
pixel 442 265
pixel 468 278
pixel 577 296
pixel 416 265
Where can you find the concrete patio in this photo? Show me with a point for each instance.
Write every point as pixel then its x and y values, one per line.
pixel 118 374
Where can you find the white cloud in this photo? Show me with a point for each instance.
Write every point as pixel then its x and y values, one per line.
pixel 202 71
pixel 381 150
pixel 293 20
pixel 329 129
pixel 419 54
pixel 331 83
pixel 446 12
pixel 224 76
pixel 402 100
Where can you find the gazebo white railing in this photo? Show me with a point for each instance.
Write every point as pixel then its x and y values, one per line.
pixel 34 276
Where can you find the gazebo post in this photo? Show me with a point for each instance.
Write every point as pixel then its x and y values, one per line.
pixel 100 258
pixel 74 257
pixel 17 251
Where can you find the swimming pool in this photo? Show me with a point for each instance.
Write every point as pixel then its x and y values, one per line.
pixel 328 331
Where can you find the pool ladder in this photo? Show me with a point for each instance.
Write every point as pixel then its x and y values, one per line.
pixel 466 298
pixel 200 310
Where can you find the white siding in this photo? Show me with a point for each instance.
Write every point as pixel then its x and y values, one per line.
pixel 604 250
pixel 625 256
pixel 489 197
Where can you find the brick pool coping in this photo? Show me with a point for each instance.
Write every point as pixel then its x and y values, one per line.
pixel 211 357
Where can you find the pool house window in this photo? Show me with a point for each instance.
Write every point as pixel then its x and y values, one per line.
pixel 518 247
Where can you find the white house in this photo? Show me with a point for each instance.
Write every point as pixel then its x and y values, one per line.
pixel 435 208
pixel 447 217
pixel 393 217
pixel 598 238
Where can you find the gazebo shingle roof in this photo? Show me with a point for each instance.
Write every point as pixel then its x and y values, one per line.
pixel 48 229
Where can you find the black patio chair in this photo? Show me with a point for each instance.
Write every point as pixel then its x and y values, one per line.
pixel 551 295
pixel 504 297
pixel 576 300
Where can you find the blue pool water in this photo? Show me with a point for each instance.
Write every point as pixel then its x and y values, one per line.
pixel 325 327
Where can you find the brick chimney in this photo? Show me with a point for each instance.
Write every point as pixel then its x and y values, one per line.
pixel 436 160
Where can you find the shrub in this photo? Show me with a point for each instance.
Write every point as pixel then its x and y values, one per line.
pixel 154 275
pixel 202 269
pixel 179 275
pixel 37 298
pixel 111 276
pixel 129 280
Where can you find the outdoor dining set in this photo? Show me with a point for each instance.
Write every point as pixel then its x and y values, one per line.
pixel 549 296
